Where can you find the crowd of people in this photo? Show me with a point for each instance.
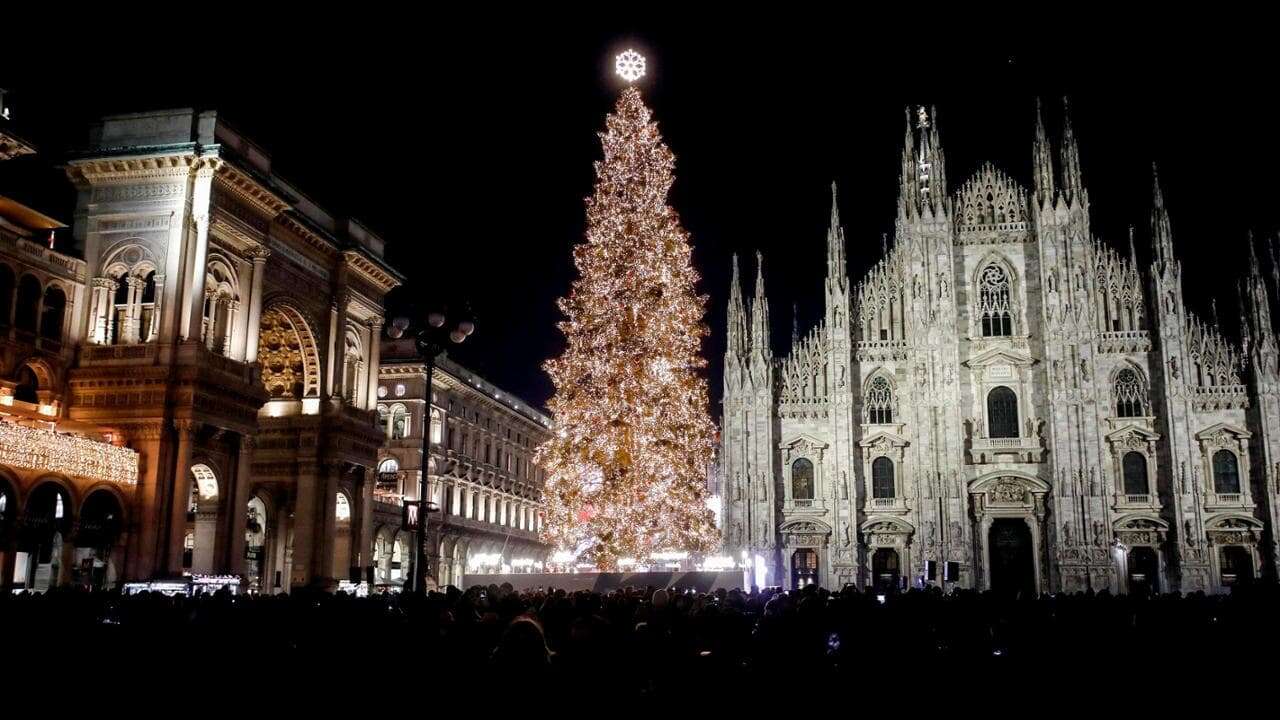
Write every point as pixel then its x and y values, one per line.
pixel 640 641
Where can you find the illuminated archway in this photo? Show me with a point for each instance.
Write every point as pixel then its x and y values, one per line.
pixel 202 519
pixel 288 354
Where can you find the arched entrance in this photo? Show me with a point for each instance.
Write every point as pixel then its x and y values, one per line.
pixel 46 521
pixel 97 558
pixel 341 537
pixel 202 521
pixel 1237 565
pixel 1010 509
pixel 804 568
pixel 255 544
pixel 1144 571
pixel 1012 557
pixel 886 570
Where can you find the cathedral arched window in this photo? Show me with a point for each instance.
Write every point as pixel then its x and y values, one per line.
pixel 1002 413
pixel 802 480
pixel 994 307
pixel 882 478
pixel 1135 473
pixel 1130 397
pixel 1226 473
pixel 879 402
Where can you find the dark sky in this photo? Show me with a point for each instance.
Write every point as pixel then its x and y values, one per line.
pixel 470 147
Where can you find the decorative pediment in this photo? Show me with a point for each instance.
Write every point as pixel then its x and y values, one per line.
pixel 1132 436
pixel 1000 356
pixel 1233 522
pixel 884 440
pixel 1233 529
pixel 1132 430
pixel 804 444
pixel 1010 489
pixel 1223 434
pixel 806 526
pixel 1141 522
pixel 887 526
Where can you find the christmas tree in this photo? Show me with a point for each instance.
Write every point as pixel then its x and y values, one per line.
pixel 627 467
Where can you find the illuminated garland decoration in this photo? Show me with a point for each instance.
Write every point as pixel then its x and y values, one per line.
pixel 74 455
pixel 627 465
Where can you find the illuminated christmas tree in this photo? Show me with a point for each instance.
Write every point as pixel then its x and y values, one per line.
pixel 627 466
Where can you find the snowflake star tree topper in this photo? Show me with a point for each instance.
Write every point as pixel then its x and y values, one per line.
pixel 629 66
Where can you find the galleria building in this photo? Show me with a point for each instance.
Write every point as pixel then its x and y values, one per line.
pixel 1004 402
pixel 201 394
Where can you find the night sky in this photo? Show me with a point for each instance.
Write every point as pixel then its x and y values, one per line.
pixel 470 147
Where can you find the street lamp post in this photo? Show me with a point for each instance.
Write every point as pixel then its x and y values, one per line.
pixel 430 342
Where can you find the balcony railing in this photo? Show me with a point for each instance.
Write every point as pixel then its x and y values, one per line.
pixel 1137 499
pixel 885 503
pixel 1027 449
pixel 1229 498
pixel 802 503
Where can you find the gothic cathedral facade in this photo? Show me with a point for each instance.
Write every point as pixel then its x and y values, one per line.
pixel 1004 402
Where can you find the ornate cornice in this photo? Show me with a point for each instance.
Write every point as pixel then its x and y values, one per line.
pixel 375 273
pixel 247 188
pixel 11 146
pixel 116 170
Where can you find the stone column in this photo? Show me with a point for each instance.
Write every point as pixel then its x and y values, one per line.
pixel 332 367
pixel 179 494
pixel 323 572
pixel 365 556
pixel 375 356
pixel 111 310
pixel 133 314
pixel 154 332
pixel 255 305
pixel 196 280
pixel 228 339
pixel 305 515
pixel 239 510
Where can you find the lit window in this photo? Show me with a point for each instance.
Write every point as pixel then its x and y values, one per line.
pixel 342 509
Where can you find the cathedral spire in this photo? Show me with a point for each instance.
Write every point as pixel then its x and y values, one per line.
pixel 1042 162
pixel 837 267
pixel 1246 333
pixel 1275 264
pixel 1161 234
pixel 907 198
pixel 1258 300
pixel 737 330
pixel 795 324
pixel 760 312
pixel 1133 251
pixel 1072 183
pixel 933 170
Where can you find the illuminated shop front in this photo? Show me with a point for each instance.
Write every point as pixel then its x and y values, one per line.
pixel 62 500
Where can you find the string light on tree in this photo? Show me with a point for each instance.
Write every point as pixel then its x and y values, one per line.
pixel 629 66
pixel 627 465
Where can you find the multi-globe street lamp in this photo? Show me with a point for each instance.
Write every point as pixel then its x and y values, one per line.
pixel 430 341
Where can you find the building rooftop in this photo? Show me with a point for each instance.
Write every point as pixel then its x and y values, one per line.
pixel 402 351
